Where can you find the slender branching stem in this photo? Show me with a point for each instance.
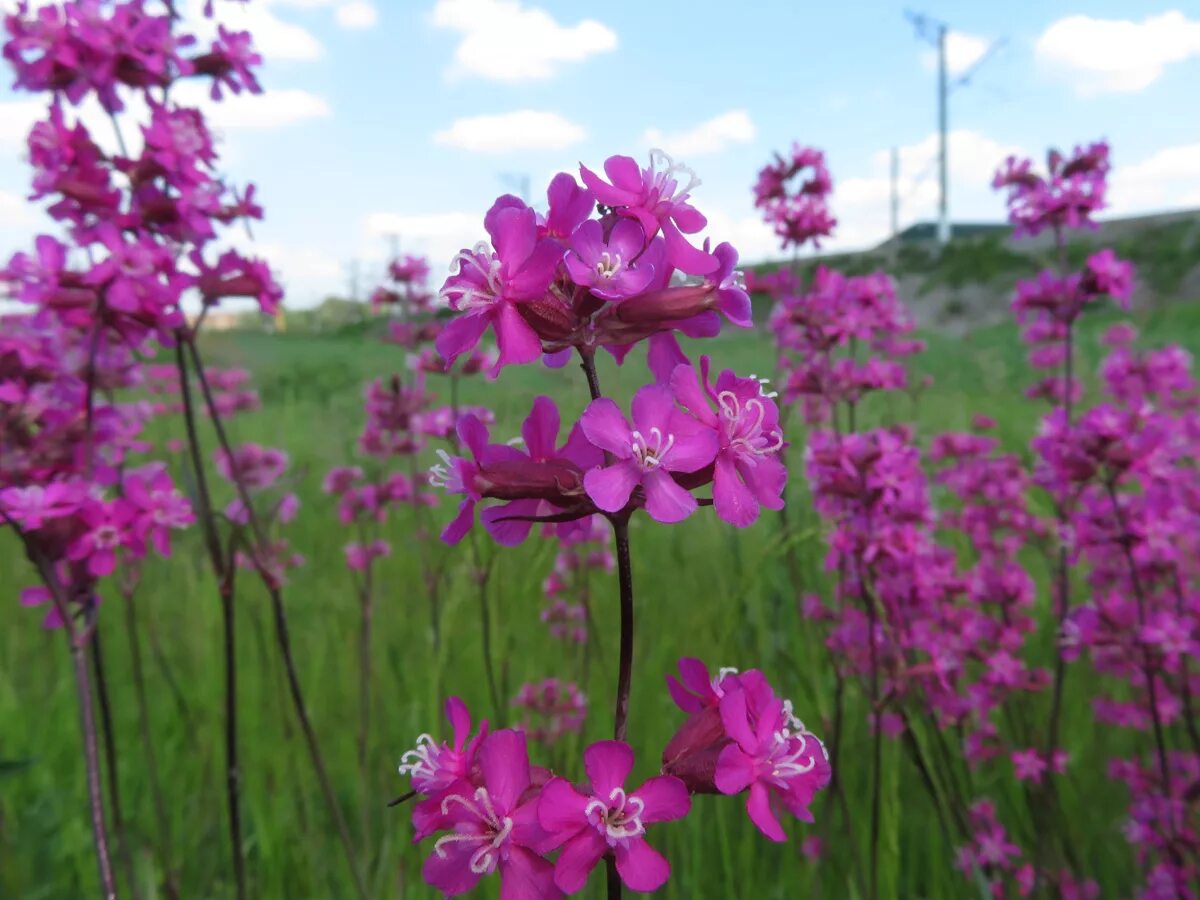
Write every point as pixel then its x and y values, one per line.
pixel 225 588
pixel 620 523
pixel 108 881
pixel 282 635
pixel 162 821
pixel 111 759
pixel 1160 742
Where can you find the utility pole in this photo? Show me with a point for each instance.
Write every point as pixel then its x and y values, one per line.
pixel 935 32
pixel 943 232
pixel 895 191
pixel 353 272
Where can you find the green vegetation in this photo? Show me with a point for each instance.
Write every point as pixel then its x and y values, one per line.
pixel 703 589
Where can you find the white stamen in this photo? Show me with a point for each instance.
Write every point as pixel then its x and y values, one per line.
pixel 621 817
pixel 649 453
pixel 497 832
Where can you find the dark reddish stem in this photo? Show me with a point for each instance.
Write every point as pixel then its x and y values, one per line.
pixel 620 524
pixel 221 571
pixel 1160 742
pixel 367 606
pixel 282 635
pixel 111 758
pixel 161 819
pixel 99 831
pixel 77 643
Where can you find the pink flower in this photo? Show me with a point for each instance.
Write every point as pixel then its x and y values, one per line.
pixel 654 197
pixel 509 524
pixel 255 466
pixel 694 689
pixel 493 827
pixel 35 505
pixel 360 556
pixel 160 506
pixel 435 767
pixel 603 819
pixel 608 268
pixel 747 471
pixel 108 527
pixel 662 440
pixel 490 284
pixel 772 755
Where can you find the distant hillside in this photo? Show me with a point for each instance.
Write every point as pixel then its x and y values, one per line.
pixel 971 282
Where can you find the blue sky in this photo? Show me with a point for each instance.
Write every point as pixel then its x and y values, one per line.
pixel 403 117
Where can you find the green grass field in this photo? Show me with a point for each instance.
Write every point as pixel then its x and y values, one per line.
pixel 703 589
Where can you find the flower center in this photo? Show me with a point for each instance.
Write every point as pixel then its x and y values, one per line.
pixel 789 756
pixel 663 183
pixel 608 265
pixel 744 425
pixel 649 453
pixel 496 830
pixel 424 760
pixel 106 536
pixel 620 818
pixel 446 475
pixel 487 269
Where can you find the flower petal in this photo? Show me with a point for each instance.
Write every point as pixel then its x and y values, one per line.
pixel 579 856
pixel 610 487
pixel 735 718
pixel 607 428
pixel 517 341
pixel 758 805
pixel 641 867
pixel 652 407
pixel 608 764
pixel 666 501
pixel 685 385
pixel 732 500
pixel 461 524
pixel 561 808
pixel 526 876
pixel 665 797
pixel 504 762
pixel 540 429
pixel 506 530
pixel 449 868
pixel 460 335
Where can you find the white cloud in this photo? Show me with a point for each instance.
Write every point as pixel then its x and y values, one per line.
pixel 524 129
pixel 16 118
pixel 862 201
pixel 1169 178
pixel 712 136
pixel 1118 55
pixel 357 14
pixel 16 213
pixel 273 37
pixel 270 109
pixel 962 51
pixel 505 41
pixel 438 236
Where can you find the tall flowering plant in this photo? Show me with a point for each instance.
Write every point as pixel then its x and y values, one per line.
pixel 142 234
pixel 607 267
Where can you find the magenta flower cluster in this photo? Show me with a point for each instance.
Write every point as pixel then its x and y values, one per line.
pixel 608 266
pixel 498 814
pixel 792 194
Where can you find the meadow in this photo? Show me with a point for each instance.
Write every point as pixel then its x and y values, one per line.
pixel 703 589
